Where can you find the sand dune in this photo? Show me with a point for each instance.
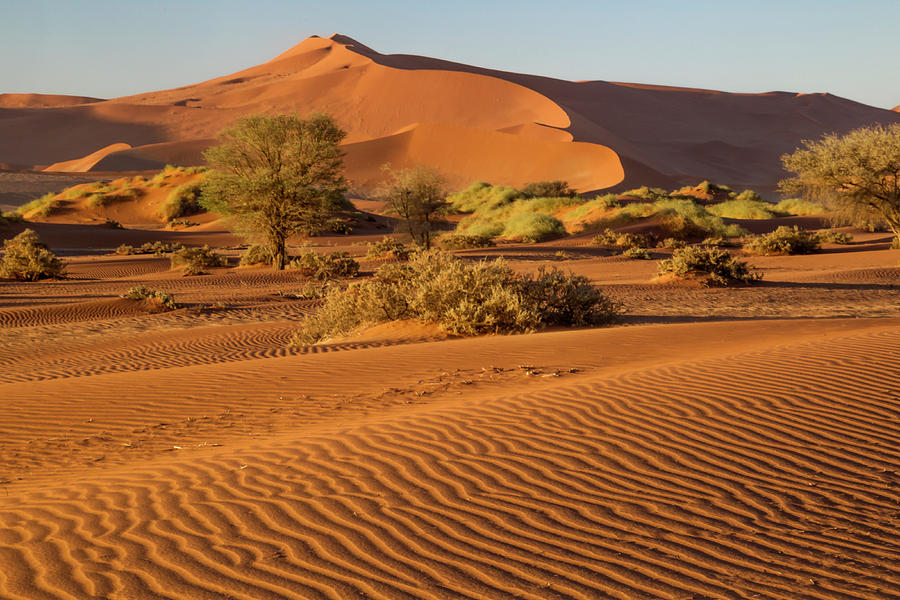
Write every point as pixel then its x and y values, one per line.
pixel 659 135
pixel 43 100
pixel 87 163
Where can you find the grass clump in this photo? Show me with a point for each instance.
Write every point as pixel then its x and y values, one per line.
pixel 388 247
pixel 548 189
pixel 533 227
pixel 39 207
pixel 464 298
pixel 799 207
pixel 143 293
pixel 194 260
pixel 257 254
pixel 637 253
pixel 784 240
pixel 481 196
pixel 834 237
pixel 182 201
pixel 743 208
pixel 26 258
pixel 714 266
pixel 325 266
pixel 617 239
pixel 461 241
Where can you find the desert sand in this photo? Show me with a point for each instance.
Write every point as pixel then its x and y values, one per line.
pixel 459 118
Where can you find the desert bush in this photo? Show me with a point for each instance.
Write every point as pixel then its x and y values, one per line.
pixel 201 257
pixel 338 225
pixel 482 196
pixel 462 297
pixel 39 207
pixel 143 293
pixel 325 266
pixel 799 207
pixel 461 241
pixel 26 258
pixel 157 248
pixel 179 223
pixel 312 290
pixel 646 193
pixel 257 254
pixel 718 267
pixel 533 227
pixel 548 189
pixel 388 246
pixel 182 201
pixel 743 207
pixel 617 239
pixel 834 237
pixel 784 240
pixel 637 253
pixel 671 242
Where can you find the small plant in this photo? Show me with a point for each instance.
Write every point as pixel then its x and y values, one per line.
pixel 548 189
pixel 196 258
pixel 142 293
pixel 113 224
pixel 895 243
pixel 389 246
pixel 338 225
pixel 461 241
pixel 257 254
pixel 182 201
pixel 718 267
pixel 181 223
pixel 784 240
pixel 312 290
pixel 716 240
pixel 671 242
pixel 616 239
pixel 325 266
pixel 156 248
pixel 637 253
pixel 834 237
pixel 26 258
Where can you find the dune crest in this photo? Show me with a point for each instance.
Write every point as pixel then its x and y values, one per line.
pixel 87 163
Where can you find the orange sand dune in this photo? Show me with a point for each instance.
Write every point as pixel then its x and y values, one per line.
pixel 88 162
pixel 661 135
pixel 43 100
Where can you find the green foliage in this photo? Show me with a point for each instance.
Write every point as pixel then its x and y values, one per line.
pixel 482 196
pixel 388 247
pixel 157 248
pixel 784 240
pixel 533 227
pixel 743 208
pixel 617 239
pixel 675 217
pixel 637 253
pixel 834 237
pixel 326 266
pixel 856 174
pixel 671 242
pixel 182 201
pixel 276 176
pixel 196 258
pixel 717 267
pixel 257 254
pixel 461 241
pixel 548 189
pixel 143 293
pixel 799 207
pixel 647 193
pixel 462 297
pixel 39 207
pixel 418 196
pixel 26 258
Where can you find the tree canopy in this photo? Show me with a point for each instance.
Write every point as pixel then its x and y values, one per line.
pixel 276 176
pixel 857 175
pixel 419 197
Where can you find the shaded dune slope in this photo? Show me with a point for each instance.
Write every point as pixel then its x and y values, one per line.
pixel 762 467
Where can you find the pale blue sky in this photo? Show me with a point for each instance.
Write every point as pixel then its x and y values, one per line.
pixel 110 48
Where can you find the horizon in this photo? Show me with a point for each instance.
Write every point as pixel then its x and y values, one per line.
pixel 817 58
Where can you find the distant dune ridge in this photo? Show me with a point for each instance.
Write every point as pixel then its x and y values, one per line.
pixel 470 122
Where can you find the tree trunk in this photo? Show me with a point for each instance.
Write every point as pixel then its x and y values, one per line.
pixel 279 255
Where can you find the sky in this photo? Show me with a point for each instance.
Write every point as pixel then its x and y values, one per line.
pixel 109 48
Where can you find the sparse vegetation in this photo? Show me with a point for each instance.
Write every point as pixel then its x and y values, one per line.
pixel 834 237
pixel 637 253
pixel 143 293
pixel 617 239
pixel 743 208
pixel 27 258
pixel 461 241
pixel 465 298
pixel 784 240
pixel 388 247
pixel 799 207
pixel 711 265
pixel 548 189
pixel 326 266
pixel 39 207
pixel 182 201
pixel 157 248
pixel 195 259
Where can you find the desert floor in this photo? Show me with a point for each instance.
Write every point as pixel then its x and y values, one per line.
pixel 720 443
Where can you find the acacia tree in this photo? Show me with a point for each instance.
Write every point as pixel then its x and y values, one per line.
pixel 419 197
pixel 277 176
pixel 858 175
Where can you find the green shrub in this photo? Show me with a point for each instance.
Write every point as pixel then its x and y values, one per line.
pixel 895 243
pixel 156 248
pixel 388 246
pixel 462 297
pixel 718 267
pixel 482 196
pixel 182 201
pixel 799 207
pixel 533 227
pixel 257 254
pixel 143 293
pixel 784 240
pixel 196 258
pixel 461 241
pixel 548 189
pixel 743 208
pixel 671 242
pixel 646 193
pixel 338 225
pixel 637 253
pixel 26 258
pixel 616 239
pixel 834 237
pixel 39 207
pixel 325 266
